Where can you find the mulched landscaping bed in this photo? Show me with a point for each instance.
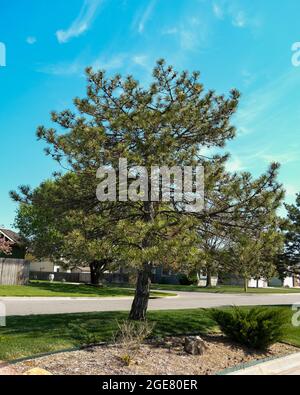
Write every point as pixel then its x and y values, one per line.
pixel 166 357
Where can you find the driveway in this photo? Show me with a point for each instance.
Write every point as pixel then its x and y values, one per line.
pixel 184 300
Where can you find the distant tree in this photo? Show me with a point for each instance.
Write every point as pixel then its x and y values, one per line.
pixel 71 238
pixel 213 241
pixel 289 262
pixel 245 208
pixel 254 254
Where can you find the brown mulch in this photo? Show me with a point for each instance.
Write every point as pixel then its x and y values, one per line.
pixel 6 370
pixel 166 358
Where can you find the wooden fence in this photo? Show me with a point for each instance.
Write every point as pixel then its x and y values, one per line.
pixel 14 271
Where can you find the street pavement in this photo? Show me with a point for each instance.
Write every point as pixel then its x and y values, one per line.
pixel 184 300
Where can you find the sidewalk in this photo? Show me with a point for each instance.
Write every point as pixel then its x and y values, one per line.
pixel 286 366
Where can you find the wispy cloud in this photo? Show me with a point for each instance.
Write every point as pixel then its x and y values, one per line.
pixel 143 17
pixel 248 77
pixel 170 31
pixel 31 40
pixel 141 60
pixel 112 63
pixel 82 23
pixel 282 158
pixel 63 68
pixel 235 164
pixel 239 18
pixel 291 190
pixel 191 33
pixel 261 107
pixel 218 11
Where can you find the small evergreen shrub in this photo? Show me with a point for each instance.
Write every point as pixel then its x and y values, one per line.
pixel 257 328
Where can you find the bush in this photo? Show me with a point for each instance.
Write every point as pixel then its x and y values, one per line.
pixel 130 336
pixel 257 328
pixel 184 280
pixel 164 280
pixel 193 278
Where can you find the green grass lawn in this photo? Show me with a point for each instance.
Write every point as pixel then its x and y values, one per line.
pixel 33 335
pixel 27 336
pixel 47 289
pixel 223 289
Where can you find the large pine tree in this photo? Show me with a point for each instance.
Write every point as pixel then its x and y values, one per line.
pixel 165 124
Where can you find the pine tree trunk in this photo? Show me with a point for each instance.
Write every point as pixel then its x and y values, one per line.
pixel 209 279
pixel 142 294
pixel 245 285
pixel 97 268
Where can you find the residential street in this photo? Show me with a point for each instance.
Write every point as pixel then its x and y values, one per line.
pixel 184 300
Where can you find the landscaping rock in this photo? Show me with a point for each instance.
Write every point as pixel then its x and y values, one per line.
pixel 194 345
pixel 37 372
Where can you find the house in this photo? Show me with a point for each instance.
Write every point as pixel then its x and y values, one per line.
pixel 292 281
pixel 162 275
pixel 18 245
pixel 47 266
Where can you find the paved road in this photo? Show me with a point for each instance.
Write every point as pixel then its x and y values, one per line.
pixel 184 300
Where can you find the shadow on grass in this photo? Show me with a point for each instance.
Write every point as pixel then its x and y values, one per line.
pixel 82 289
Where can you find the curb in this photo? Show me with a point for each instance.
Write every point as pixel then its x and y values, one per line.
pixel 251 364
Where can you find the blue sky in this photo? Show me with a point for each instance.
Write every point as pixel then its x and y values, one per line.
pixel 234 43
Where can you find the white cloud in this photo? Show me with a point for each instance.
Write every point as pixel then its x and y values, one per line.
pixel 291 190
pixel 188 39
pixel 239 19
pixel 104 63
pixel 77 67
pixel 31 40
pixel 248 77
pixel 144 17
pixel 170 31
pixel 191 33
pixel 283 158
pixel 140 60
pixel 234 165
pixel 218 11
pixel 261 107
pixel 63 69
pixel 82 23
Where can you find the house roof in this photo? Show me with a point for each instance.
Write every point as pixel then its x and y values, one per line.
pixel 11 236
